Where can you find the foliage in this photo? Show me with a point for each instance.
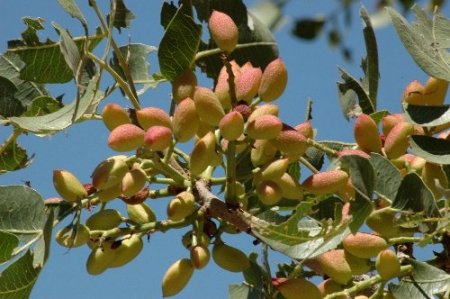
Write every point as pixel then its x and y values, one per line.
pixel 396 183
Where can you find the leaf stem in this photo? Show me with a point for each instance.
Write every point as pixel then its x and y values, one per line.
pixel 161 226
pixel 125 86
pixel 322 147
pixel 308 165
pixel 122 62
pixel 404 270
pixel 216 51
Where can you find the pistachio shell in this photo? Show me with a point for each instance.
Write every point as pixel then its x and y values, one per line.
pixel 113 115
pixel 177 277
pixel 223 31
pixel 126 137
pixel 152 116
pixel 68 186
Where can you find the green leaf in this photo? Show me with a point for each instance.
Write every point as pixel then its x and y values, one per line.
pixel 328 208
pixel 270 14
pixel 347 91
pixel 30 36
pixel 46 64
pixel 360 209
pixel 428 116
pixel 294 170
pixel 18 279
pixel 244 291
pixel 21 211
pixel 256 43
pixel 423 40
pixel 122 16
pixel 336 145
pixel 377 116
pixel 8 242
pixel 312 248
pixel 288 232
pixel 68 48
pixel 9 105
pixel 432 149
pixel 13 157
pixel 308 28
pixel 42 246
pixel 414 195
pixel 26 91
pixel 387 176
pixel 61 119
pixel 361 173
pixel 424 282
pixel 254 275
pixel 370 63
pixel 43 105
pixel 315 157
pixel 71 7
pixel 138 65
pixel 179 45
pixel 300 236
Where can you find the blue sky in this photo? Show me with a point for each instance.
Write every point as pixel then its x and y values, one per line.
pixel 313 73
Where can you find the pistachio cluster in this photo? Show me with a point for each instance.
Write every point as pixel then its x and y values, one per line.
pixel 237 118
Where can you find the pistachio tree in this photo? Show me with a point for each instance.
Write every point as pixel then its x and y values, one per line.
pixel 347 215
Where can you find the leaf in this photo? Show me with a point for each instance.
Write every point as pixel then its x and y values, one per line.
pixel 30 36
pixel 12 157
pixel 46 64
pixel 136 56
pixel 415 196
pixel 313 247
pixel 327 208
pixel 294 170
pixel 68 49
pixel 43 105
pixel 362 176
pixel 387 179
pixel 336 145
pixel 26 91
pixel 42 247
pixel 423 40
pixel 377 116
pixel 254 275
pixel 361 173
pixel 428 116
pixel 179 45
pixel 300 236
pixel 308 28
pixel 9 105
pixel 288 232
pixel 21 212
pixel 315 156
pixel 256 44
pixel 71 7
pixel 347 90
pixel 371 70
pixel 425 282
pixel 244 291
pixel 8 242
pixel 18 279
pixel 122 16
pixel 61 119
pixel 432 149
pixel 360 209
pixel 270 14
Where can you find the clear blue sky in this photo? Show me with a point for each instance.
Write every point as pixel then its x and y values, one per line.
pixel 313 72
